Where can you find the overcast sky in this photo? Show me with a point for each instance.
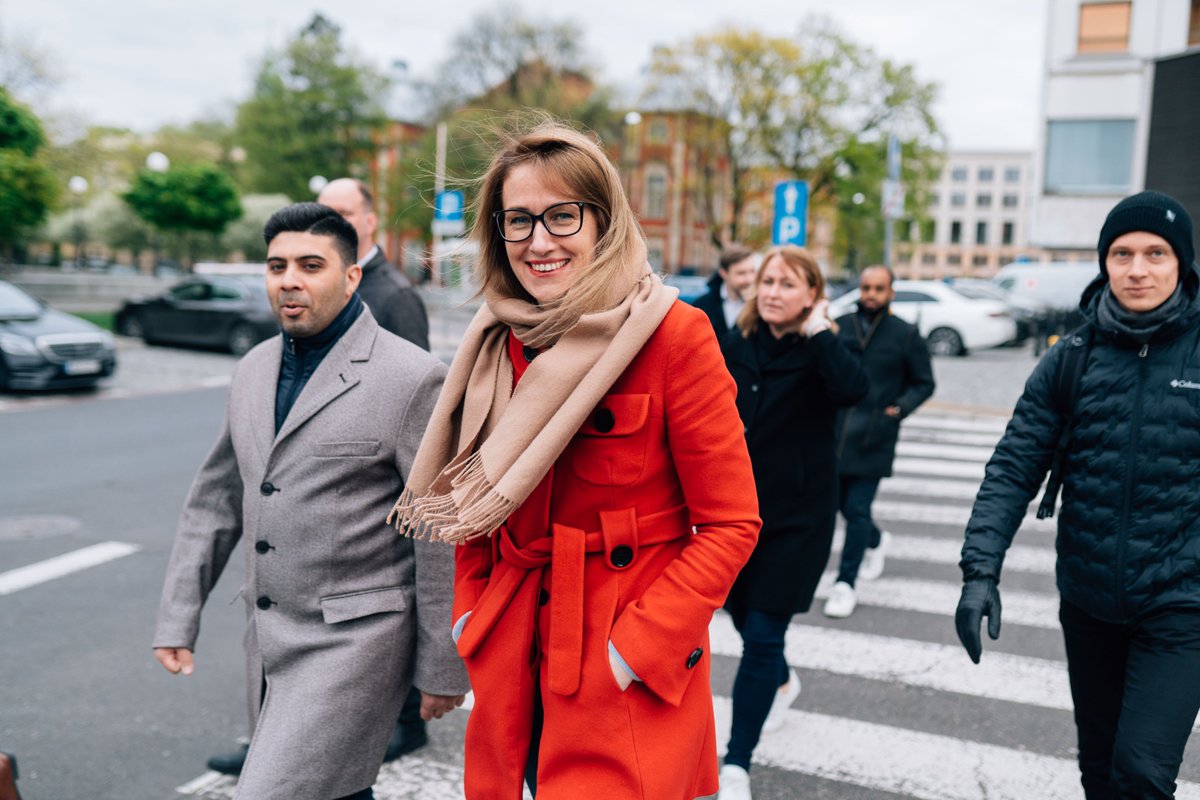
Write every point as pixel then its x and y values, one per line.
pixel 143 63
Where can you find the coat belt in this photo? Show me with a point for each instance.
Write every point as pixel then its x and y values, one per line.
pixel 565 548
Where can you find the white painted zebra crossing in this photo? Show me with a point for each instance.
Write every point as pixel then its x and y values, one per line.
pixel 926 505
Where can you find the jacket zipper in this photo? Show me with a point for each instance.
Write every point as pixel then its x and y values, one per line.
pixel 1123 530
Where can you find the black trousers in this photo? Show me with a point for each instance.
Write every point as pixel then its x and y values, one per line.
pixel 1136 692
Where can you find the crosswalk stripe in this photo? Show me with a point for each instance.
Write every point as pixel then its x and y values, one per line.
pixel 966 470
pixel 917 764
pixel 943 422
pixel 929 487
pixel 940 550
pixel 937 436
pixel 20 578
pixel 999 676
pixel 946 515
pixel 952 452
pixel 1032 609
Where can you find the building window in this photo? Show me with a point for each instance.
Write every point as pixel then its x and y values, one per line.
pixel 928 230
pixel 954 259
pixel 979 260
pixel 983 200
pixel 1011 201
pixel 958 174
pixel 929 258
pixel 981 233
pixel 934 199
pixel 656 193
pixel 1006 233
pixel 1089 156
pixel 658 132
pixel 1104 27
pixel 985 174
pixel 654 254
pixel 958 200
pixel 1012 174
pixel 955 232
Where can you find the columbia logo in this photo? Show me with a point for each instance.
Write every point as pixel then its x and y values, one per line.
pixel 1178 384
pixel 1170 215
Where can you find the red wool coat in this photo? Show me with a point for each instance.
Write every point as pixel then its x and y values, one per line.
pixel 634 537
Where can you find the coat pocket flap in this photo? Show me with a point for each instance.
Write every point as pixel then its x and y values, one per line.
pixel 345 449
pixel 342 607
pixel 618 415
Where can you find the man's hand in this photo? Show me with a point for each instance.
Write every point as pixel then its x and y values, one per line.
pixel 892 411
pixel 433 706
pixel 175 659
pixel 980 598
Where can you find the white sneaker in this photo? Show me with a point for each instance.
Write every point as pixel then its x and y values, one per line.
pixel 872 562
pixel 735 783
pixel 784 698
pixel 841 601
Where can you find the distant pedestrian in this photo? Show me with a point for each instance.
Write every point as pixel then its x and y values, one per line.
pixel 342 617
pixel 901 379
pixel 793 373
pixel 1113 412
pixel 729 287
pixel 586 454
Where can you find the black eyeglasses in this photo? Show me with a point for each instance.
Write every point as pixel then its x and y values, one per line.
pixel 560 219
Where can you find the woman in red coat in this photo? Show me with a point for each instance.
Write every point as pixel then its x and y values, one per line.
pixel 587 456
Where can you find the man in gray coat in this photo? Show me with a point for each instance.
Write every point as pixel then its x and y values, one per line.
pixel 321 428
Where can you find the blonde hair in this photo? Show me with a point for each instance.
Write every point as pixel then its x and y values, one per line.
pixel 576 164
pixel 803 265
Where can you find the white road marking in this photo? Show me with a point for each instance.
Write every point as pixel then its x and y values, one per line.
pixel 952 452
pixel 912 763
pixel 924 420
pixel 15 580
pixel 1033 609
pixel 942 469
pixel 935 436
pixel 946 515
pixel 209 780
pixel 929 487
pixel 940 550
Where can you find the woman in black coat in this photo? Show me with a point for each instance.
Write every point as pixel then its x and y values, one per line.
pixel 793 374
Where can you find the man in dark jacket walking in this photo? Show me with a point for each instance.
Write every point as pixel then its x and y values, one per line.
pixel 728 288
pixel 896 361
pixel 1129 530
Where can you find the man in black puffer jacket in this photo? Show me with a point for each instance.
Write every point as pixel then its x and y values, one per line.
pixel 1129 530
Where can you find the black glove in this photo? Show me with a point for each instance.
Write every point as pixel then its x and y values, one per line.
pixel 980 598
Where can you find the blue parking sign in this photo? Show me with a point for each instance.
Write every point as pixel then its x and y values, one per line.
pixel 791 213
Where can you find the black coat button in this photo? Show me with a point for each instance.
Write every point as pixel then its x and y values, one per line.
pixel 529 353
pixel 264 602
pixel 604 420
pixel 543 597
pixel 267 488
pixel 621 555
pixel 261 546
pixel 694 658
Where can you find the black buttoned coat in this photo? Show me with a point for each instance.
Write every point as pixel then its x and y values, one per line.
pixel 789 393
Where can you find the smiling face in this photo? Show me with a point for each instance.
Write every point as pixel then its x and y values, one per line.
pixel 1143 270
pixel 783 295
pixel 308 282
pixel 546 265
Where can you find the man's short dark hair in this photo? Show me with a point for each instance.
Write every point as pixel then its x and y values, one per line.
pixel 732 255
pixel 318 220
pixel 891 275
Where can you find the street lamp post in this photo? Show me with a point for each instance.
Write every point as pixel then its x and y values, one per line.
pixel 156 162
pixel 78 185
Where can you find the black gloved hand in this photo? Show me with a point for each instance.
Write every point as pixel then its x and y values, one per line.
pixel 980 598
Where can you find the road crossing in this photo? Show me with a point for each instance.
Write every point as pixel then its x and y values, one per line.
pixel 891 706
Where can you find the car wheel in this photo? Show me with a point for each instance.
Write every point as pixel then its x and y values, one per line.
pixel 131 326
pixel 242 337
pixel 946 342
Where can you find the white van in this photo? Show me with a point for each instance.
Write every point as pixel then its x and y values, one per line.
pixel 1054 284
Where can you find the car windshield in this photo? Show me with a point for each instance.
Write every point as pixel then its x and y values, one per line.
pixel 15 303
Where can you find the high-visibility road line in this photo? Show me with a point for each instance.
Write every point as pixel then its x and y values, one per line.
pixel 14 580
pixel 940 550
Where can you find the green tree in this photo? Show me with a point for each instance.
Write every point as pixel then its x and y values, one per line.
pixel 186 199
pixel 817 106
pixel 313 111
pixel 28 189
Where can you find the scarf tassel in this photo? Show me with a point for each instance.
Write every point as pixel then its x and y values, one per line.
pixel 471 508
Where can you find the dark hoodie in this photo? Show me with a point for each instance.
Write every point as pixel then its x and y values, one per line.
pixel 1129 529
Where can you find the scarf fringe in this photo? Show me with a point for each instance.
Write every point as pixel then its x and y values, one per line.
pixel 471 508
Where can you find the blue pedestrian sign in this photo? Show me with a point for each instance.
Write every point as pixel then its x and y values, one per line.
pixel 448 214
pixel 791 213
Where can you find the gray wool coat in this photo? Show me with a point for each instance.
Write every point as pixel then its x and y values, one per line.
pixel 342 613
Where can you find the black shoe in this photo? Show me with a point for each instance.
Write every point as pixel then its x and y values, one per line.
pixel 406 737
pixel 230 763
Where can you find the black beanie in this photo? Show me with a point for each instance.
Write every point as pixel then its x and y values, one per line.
pixel 1156 213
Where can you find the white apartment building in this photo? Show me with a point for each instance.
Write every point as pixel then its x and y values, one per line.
pixel 979 218
pixel 1095 111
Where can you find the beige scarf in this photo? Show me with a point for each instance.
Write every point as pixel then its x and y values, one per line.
pixel 487 446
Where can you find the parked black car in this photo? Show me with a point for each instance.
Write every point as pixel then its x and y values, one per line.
pixel 231 312
pixel 41 348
